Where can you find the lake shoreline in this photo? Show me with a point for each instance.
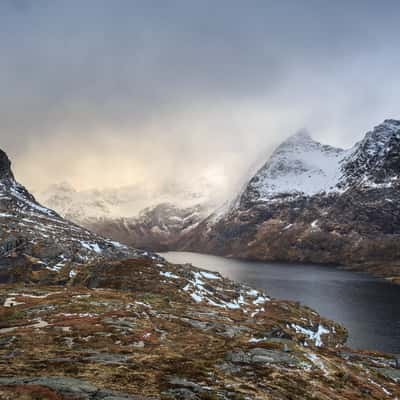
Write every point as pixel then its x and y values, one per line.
pixel 364 304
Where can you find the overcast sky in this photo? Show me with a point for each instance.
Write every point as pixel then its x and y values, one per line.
pixel 109 93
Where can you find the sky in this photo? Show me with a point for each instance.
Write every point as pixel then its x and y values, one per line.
pixel 105 94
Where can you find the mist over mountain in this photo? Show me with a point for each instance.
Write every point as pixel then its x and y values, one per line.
pixel 107 96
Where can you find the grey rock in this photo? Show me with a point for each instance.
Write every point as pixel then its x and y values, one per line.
pixel 183 394
pixel 261 356
pixel 62 385
pixel 121 323
pixel 390 373
pixel 5 166
pixel 6 341
pixel 176 381
pixel 71 387
pixel 107 358
pixel 228 331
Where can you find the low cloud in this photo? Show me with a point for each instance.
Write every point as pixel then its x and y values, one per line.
pixel 107 94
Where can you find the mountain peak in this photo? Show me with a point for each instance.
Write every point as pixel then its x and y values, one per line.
pixel 300 136
pixel 391 122
pixel 5 166
pixel 375 162
pixel 386 129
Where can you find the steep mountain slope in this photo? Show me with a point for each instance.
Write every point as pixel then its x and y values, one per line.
pixel 35 235
pixel 315 203
pixel 299 166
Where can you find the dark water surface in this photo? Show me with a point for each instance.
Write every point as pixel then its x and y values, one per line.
pixel 368 307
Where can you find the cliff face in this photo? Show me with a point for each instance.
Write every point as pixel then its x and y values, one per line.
pixel 5 166
pixel 316 203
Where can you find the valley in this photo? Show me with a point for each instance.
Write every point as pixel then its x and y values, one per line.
pixel 309 203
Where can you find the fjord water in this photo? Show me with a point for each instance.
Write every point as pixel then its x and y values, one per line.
pixel 368 307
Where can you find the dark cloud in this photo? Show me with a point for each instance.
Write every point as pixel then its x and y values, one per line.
pixel 160 90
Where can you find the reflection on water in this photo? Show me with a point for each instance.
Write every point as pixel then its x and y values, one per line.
pixel 367 306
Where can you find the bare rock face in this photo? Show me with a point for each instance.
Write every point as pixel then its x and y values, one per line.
pixel 5 166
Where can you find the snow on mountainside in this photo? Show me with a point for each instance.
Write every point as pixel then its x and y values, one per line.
pixel 156 228
pixel 29 231
pixel 375 160
pixel 299 166
pixel 315 203
pixel 87 207
pixel 150 217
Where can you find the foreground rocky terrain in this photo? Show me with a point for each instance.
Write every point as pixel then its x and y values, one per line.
pixel 316 203
pixel 82 317
pixel 148 329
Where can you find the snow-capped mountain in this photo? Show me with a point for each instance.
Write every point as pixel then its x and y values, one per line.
pixel 31 233
pixel 150 218
pixel 157 228
pixel 299 166
pixel 316 203
pixel 375 161
pixel 88 207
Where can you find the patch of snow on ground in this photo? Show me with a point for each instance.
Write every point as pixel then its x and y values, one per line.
pixel 314 336
pixel 11 302
pixel 169 275
pixel 91 246
pixel 209 275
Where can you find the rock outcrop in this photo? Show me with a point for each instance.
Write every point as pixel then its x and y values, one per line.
pixel 5 166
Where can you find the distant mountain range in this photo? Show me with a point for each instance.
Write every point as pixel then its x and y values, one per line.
pixel 309 202
pixel 146 218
